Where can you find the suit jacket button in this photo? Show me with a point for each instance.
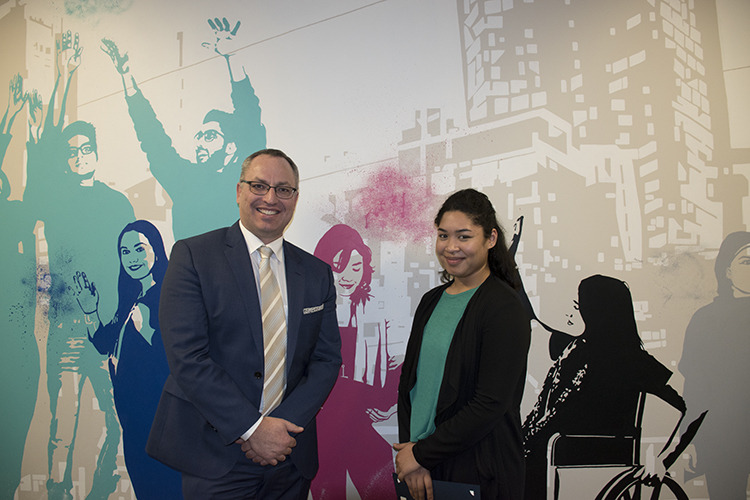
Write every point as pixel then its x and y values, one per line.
pixel 258 375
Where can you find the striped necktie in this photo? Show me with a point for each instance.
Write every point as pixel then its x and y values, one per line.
pixel 274 333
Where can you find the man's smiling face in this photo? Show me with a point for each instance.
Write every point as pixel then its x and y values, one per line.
pixel 266 216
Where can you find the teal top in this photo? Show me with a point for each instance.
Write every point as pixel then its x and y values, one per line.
pixel 436 341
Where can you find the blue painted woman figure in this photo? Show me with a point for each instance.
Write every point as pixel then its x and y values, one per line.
pixel 137 362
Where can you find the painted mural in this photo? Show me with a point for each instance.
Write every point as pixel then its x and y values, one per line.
pixel 612 137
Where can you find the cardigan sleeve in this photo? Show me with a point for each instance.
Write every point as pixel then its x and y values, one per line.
pixel 485 372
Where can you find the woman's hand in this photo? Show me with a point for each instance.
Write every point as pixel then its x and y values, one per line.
pixel 420 484
pixel 417 478
pixel 405 461
pixel 88 299
pixel 85 292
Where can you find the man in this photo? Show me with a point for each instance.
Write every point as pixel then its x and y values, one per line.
pixel 216 422
pixel 82 220
pixel 220 144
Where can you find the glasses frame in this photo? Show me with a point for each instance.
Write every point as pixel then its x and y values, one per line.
pixel 269 187
pixel 201 135
pixel 73 151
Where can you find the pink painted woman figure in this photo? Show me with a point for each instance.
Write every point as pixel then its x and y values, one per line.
pixel 365 390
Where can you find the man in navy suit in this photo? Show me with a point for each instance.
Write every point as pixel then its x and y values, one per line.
pixel 209 424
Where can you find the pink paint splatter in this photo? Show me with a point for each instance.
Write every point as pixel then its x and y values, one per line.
pixel 395 206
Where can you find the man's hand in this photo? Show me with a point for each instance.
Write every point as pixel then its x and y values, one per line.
pixel 119 60
pixel 224 43
pixel 271 442
pixel 420 484
pixel 250 453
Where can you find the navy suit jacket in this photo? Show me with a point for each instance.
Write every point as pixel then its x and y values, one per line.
pixel 213 335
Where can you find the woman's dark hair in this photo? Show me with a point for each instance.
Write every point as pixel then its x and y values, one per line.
pixel 478 208
pixel 344 239
pixel 129 289
pixel 606 307
pixel 732 244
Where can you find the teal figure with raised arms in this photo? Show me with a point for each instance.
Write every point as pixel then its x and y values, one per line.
pixel 201 189
pixel 19 356
pixel 82 219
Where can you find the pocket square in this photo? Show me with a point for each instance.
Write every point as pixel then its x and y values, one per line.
pixel 310 310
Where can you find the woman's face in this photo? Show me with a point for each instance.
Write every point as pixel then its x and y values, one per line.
pixel 136 255
pixel 564 314
pixel 350 277
pixel 462 248
pixel 738 273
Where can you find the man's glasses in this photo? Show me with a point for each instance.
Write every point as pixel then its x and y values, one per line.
pixel 86 149
pixel 209 135
pixel 261 188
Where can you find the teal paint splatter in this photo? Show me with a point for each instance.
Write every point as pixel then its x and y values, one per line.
pixel 87 8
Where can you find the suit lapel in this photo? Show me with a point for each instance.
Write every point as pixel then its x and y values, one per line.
pixel 295 289
pixel 239 260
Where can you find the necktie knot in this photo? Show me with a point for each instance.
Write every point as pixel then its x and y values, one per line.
pixel 265 252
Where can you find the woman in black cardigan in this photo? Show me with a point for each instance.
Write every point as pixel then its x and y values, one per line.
pixel 465 366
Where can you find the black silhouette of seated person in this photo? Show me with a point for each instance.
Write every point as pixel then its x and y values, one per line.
pixel 597 378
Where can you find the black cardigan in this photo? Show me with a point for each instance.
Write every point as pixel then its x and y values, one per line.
pixel 478 423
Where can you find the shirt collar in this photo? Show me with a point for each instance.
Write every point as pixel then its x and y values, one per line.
pixel 253 243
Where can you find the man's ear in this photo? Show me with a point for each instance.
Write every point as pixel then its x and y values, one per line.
pixel 230 150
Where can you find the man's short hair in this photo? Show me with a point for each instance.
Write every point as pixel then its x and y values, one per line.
pixel 276 153
pixel 81 128
pixel 226 122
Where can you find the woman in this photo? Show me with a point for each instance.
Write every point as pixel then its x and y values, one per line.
pixel 465 366
pixel 137 362
pixel 594 385
pixel 345 421
pixel 715 355
pixel 351 261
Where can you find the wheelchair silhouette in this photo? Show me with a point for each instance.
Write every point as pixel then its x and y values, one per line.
pixel 588 451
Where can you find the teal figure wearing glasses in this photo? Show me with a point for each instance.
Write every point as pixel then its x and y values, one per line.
pixel 200 189
pixel 82 219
